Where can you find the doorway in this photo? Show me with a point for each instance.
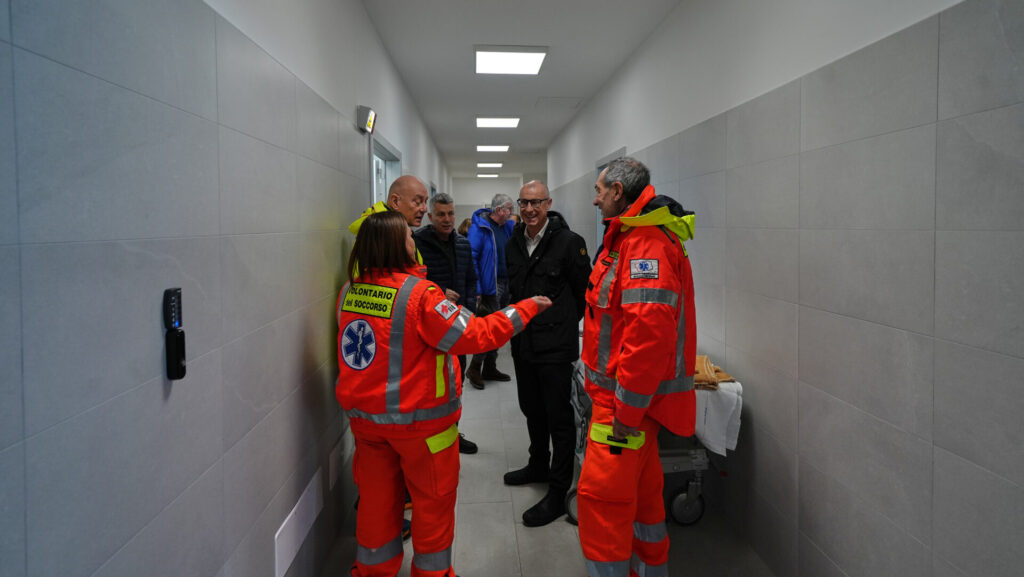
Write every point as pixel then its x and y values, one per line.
pixel 386 166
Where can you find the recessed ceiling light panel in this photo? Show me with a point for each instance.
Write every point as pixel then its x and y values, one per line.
pixel 490 164
pixel 482 122
pixel 492 148
pixel 510 59
pixel 484 175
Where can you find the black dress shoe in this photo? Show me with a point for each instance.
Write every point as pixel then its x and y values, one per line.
pixel 551 507
pixel 406 529
pixel 493 374
pixel 475 378
pixel 466 447
pixel 525 476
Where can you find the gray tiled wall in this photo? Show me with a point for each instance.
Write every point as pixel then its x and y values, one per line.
pixel 157 147
pixel 859 266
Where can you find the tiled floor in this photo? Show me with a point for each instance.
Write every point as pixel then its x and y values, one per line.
pixel 490 539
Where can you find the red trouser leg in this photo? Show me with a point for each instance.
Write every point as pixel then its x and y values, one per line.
pixel 621 512
pixel 381 501
pixel 432 479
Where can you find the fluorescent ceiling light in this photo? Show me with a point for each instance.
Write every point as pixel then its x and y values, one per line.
pixel 492 148
pixel 490 164
pixel 479 175
pixel 511 60
pixel 497 122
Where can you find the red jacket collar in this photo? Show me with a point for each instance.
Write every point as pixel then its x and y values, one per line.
pixel 615 224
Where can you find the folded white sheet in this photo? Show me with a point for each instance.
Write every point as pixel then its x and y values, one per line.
pixel 718 416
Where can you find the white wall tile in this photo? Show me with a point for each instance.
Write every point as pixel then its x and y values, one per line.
pixel 8 182
pixel 886 181
pixel 857 273
pixel 11 415
pixel 979 289
pixel 764 261
pixel 99 162
pixel 317 126
pixel 980 51
pixel 888 86
pixel 93 324
pixel 321 192
pixel 702 148
pixel 884 466
pixel 161 48
pixel 764 128
pixel 850 531
pixel 12 511
pixel 709 302
pixel 705 196
pixel 259 280
pixel 762 327
pixel 255 94
pixel 85 476
pixel 977 530
pixel 978 406
pixel 770 396
pixel 764 195
pixel 884 371
pixel 258 186
pixel 981 171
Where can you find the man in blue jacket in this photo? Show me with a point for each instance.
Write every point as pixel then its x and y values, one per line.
pixel 449 261
pixel 489 232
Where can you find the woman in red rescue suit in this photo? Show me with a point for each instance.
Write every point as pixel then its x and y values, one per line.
pixel 400 384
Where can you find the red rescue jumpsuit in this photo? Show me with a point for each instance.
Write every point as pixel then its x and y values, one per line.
pixel 639 349
pixel 397 341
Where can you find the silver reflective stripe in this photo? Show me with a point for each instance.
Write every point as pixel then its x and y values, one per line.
pixel 681 342
pixel 606 284
pixel 632 399
pixel 608 568
pixel 451 377
pixel 517 321
pixel 603 381
pixel 408 418
pixel 677 385
pixel 655 533
pixel 341 301
pixel 644 570
pixel 433 561
pixel 382 554
pixel 456 330
pixel 649 295
pixel 604 343
pixel 392 396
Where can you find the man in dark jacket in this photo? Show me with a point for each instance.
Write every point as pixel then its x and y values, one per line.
pixel 546 258
pixel 449 261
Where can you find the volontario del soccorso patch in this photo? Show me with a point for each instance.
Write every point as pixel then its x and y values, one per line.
pixel 643 268
pixel 358 344
pixel 370 299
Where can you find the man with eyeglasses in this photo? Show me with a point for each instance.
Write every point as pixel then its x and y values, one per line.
pixel 547 258
pixel 488 234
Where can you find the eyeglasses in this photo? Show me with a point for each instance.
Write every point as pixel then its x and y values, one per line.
pixel 534 202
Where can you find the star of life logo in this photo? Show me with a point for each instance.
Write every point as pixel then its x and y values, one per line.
pixel 358 344
pixel 643 268
pixel 446 309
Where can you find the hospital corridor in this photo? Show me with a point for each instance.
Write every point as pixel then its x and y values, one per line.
pixel 521 288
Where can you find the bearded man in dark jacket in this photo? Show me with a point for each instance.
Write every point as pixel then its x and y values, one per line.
pixel 546 258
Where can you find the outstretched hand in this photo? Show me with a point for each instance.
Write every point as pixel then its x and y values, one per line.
pixel 543 303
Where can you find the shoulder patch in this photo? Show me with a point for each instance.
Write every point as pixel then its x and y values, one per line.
pixel 583 251
pixel 446 309
pixel 643 268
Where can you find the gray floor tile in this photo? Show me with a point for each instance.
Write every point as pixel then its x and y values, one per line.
pixel 550 551
pixel 482 526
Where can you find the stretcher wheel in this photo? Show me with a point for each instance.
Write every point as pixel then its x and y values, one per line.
pixel 683 511
pixel 570 507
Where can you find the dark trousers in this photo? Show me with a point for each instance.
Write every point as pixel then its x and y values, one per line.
pixel 495 303
pixel 544 391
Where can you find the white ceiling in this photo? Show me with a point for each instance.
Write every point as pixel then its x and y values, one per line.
pixel 431 43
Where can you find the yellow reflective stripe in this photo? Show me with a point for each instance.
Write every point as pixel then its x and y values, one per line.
pixel 439 389
pixel 602 434
pixel 443 440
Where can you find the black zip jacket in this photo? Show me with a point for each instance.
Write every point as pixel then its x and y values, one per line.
pixel 559 269
pixel 456 274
